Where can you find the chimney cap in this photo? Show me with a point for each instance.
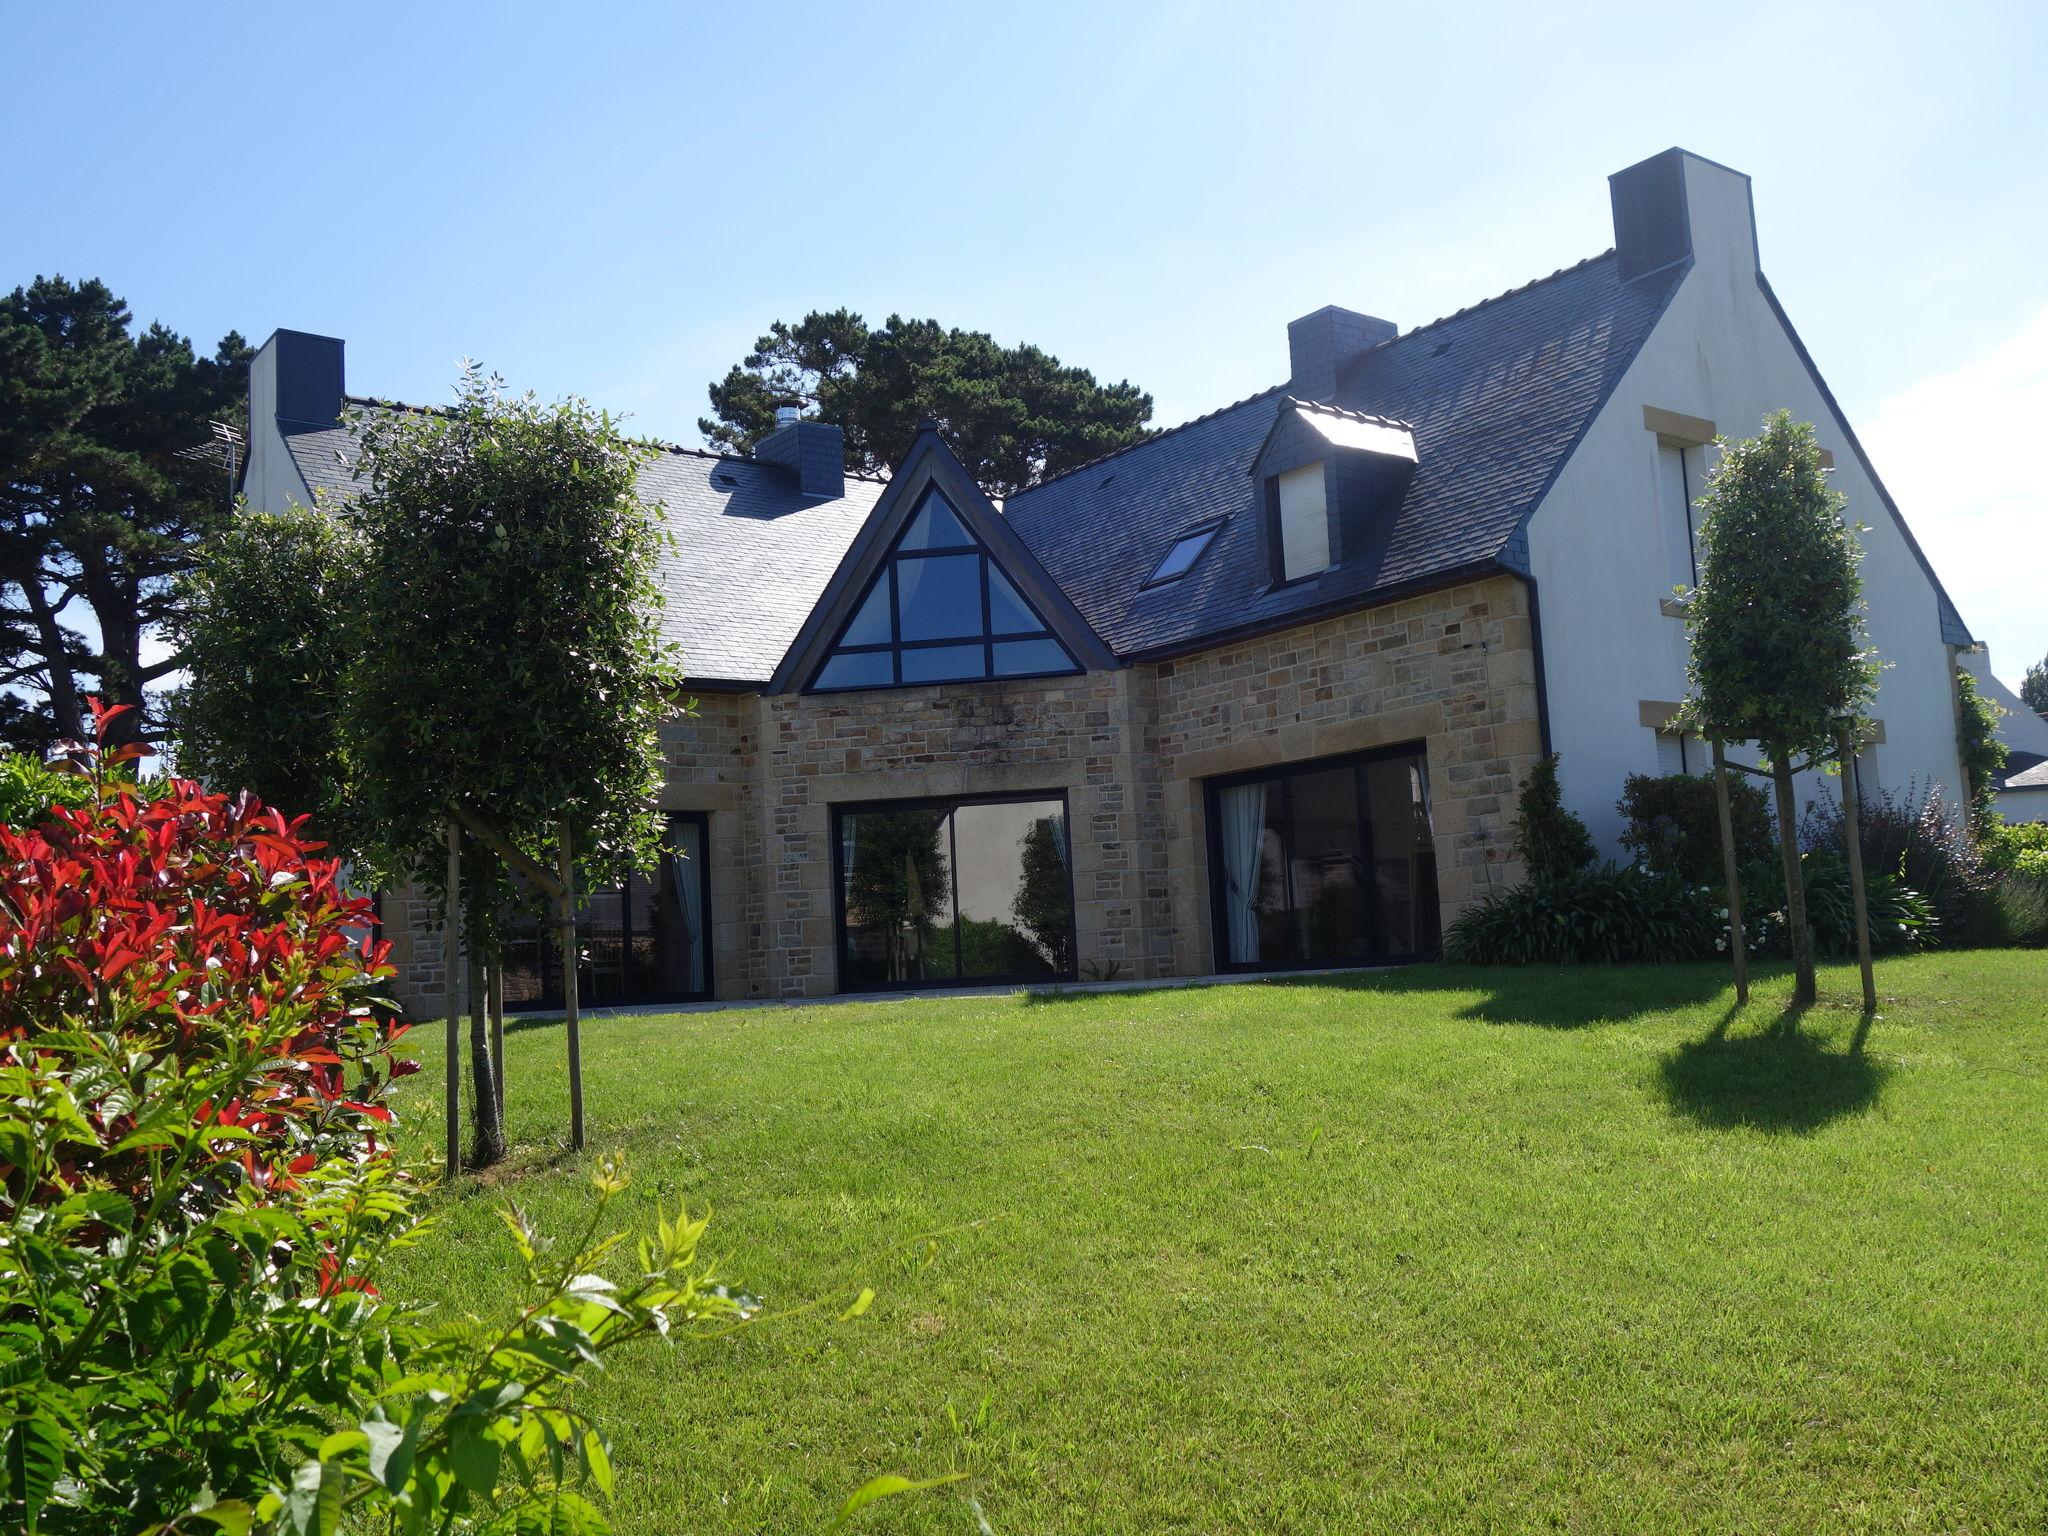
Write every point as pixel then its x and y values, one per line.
pixel 787 415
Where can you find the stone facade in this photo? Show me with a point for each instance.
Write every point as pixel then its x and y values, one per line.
pixel 1131 749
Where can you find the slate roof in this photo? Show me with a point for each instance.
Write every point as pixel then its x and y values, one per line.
pixel 751 555
pixel 1497 396
pixel 2035 777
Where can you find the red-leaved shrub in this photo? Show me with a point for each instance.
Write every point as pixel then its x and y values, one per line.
pixel 147 938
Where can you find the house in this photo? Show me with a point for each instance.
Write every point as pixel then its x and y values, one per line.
pixel 1253 694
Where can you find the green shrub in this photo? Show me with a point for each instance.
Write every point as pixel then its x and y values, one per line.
pixel 29 787
pixel 2019 848
pixel 1550 841
pixel 197 1192
pixel 1674 825
pixel 1900 917
pixel 1590 917
pixel 1923 841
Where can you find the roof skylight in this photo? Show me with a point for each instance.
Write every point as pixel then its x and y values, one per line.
pixel 1180 559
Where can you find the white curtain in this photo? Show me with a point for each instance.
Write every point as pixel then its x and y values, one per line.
pixel 1244 830
pixel 686 864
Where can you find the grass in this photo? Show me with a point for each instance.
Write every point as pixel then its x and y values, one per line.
pixel 1430 1250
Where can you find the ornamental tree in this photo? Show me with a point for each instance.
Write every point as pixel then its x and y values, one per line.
pixel 1779 653
pixel 478 643
pixel 266 623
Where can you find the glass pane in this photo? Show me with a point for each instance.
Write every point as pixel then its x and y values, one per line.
pixel 1016 902
pixel 1254 893
pixel 1404 857
pixel 871 625
pixel 1021 658
pixel 897 887
pixel 1326 861
pixel 1008 613
pixel 601 936
pixel 939 596
pixel 944 664
pixel 856 669
pixel 935 527
pixel 669 932
pixel 1183 555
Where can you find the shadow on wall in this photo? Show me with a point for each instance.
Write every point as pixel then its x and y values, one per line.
pixel 1779 1078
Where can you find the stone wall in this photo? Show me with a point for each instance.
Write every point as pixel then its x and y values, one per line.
pixel 1453 669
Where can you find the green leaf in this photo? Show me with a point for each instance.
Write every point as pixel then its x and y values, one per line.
pixel 35 1460
pixel 887 1486
pixel 474 1457
pixel 230 1515
pixel 597 1462
pixel 861 1303
pixel 392 1446
pixel 313 1506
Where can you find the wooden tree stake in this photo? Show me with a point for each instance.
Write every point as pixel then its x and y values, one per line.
pixel 569 969
pixel 1738 941
pixel 451 981
pixel 1853 835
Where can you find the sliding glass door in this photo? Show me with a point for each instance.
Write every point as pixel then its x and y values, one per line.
pixel 644 940
pixel 952 892
pixel 1324 863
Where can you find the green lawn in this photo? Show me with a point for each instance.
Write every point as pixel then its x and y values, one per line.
pixel 1430 1250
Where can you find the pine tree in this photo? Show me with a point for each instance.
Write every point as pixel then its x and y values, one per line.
pixel 1014 415
pixel 110 476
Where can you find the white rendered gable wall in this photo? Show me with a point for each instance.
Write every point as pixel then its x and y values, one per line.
pixel 1603 550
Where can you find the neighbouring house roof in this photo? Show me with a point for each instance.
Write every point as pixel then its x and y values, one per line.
pixel 750 558
pixel 2035 777
pixel 1496 396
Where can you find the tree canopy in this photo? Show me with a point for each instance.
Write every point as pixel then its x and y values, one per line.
pixel 1015 415
pixel 111 473
pixel 266 625
pixel 1779 654
pixel 2034 688
pixel 510 656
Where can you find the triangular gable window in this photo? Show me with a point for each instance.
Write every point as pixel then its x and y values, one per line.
pixel 939 611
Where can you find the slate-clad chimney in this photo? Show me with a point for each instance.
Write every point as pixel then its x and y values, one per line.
pixel 1319 346
pixel 814 451
pixel 297 379
pixel 1679 206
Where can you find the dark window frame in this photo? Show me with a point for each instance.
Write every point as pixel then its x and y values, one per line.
pixel 1282 776
pixel 948 803
pixel 987 640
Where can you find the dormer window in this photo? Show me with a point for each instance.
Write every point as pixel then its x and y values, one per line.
pixel 1180 559
pixel 941 610
pixel 1329 478
pixel 1302 508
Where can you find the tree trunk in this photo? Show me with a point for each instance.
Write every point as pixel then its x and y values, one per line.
pixel 1852 833
pixel 451 974
pixel 67 706
pixel 1738 940
pixel 495 984
pixel 1798 935
pixel 487 1106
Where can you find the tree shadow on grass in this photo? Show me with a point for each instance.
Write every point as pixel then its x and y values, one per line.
pixel 1538 996
pixel 1779 1078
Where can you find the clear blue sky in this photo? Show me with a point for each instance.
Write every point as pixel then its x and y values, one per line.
pixel 614 200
